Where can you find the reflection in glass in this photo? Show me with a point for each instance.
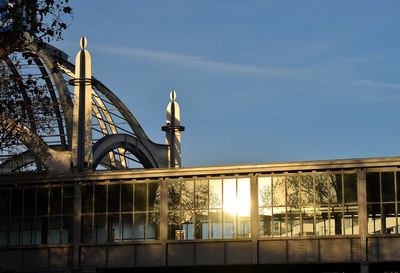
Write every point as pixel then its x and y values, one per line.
pixel 201 194
pixel 374 218
pixel 388 217
pixel 215 193
pixel 55 200
pixel 87 198
pixel 54 230
pixel 350 188
pixel 264 191
pixel 87 228
pixel 265 218
pixel 153 226
pixel 29 202
pixel 373 187
pixel 279 191
pixel 279 222
pixel 215 217
pixel 126 225
pixel 153 195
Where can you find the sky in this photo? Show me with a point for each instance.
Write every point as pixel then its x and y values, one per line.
pixel 257 81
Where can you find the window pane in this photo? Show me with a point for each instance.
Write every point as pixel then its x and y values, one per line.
pixel 140 196
pixel 29 202
pixel 126 197
pixel 16 203
pixel 3 231
pixel 229 224
pixel 388 190
pixel 42 201
pixel 373 187
pixel 215 217
pixel 153 227
pixel 201 224
pixel 265 218
pixel 244 227
pixel 201 194
pixel 187 195
pixel 322 188
pixel 278 227
pixel 66 230
pixel 55 200
pixel 27 230
pixel 243 197
pixel 374 219
pixel 278 191
pixel 351 220
pixel 54 230
pixel 350 188
pixel 68 200
pixel 230 201
pixel 307 190
pixel 87 221
pixel 174 193
pixel 293 193
pixel 154 196
pixel 140 226
pixel 127 232
pixel 113 198
pixel 293 220
pixel 335 189
pixel 336 220
pixel 87 199
pixel 174 228
pixel 388 218
pixel 100 228
pixel 113 228
pixel 216 193
pixel 4 203
pixel 100 198
pixel 264 191
pixel 15 225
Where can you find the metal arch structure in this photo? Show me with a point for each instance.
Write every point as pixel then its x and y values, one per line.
pixel 117 130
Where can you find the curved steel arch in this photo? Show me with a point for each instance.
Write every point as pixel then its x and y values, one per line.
pixel 54 66
pixel 130 143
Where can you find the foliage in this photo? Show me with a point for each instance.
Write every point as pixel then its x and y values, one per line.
pixel 24 96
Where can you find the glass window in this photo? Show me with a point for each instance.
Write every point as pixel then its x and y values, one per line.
pixel 126 227
pixel 29 202
pixel 4 203
pixel 113 198
pixel 87 199
pixel 388 189
pixel 374 218
pixel 278 191
pixel 140 196
pixel 113 228
pixel 215 217
pixel 215 193
pixel 153 196
pixel 388 218
pixel 55 200
pixel 66 230
pixel 126 197
pixel 350 188
pixel 100 198
pixel 54 230
pixel 100 228
pixel 87 222
pixel 16 203
pixel 153 227
pixel 201 224
pixel 265 218
pixel 373 187
pixel 140 226
pixel 264 191
pixel 68 200
pixel 201 194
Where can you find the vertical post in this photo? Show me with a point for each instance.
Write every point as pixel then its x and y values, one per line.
pixel 164 220
pixel 76 235
pixel 173 131
pixel 82 114
pixel 254 217
pixel 363 218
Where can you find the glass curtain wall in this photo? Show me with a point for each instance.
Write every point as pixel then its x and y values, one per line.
pixel 120 212
pixel 308 204
pixel 209 208
pixel 382 202
pixel 36 215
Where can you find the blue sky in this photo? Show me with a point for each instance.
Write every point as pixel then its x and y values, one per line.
pixel 257 81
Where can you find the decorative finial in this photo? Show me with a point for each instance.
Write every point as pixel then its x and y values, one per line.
pixel 83 42
pixel 172 95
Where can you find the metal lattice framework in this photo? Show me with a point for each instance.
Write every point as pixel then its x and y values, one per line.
pixel 119 142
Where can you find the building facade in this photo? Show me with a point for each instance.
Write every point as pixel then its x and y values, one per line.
pixel 321 213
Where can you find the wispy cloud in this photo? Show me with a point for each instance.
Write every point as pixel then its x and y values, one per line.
pixel 374 84
pixel 198 62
